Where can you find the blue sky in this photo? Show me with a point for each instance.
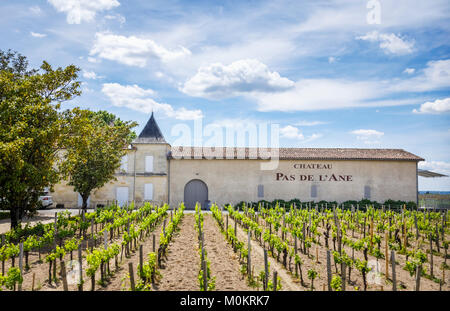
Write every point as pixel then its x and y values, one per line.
pixel 360 73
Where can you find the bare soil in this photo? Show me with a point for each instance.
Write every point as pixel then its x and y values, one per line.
pixel 224 262
pixel 182 263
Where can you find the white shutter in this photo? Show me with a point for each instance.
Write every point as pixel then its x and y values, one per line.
pixel 124 163
pixel 148 192
pixel 122 195
pixel 148 164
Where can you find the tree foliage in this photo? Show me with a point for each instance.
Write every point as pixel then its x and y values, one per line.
pixel 94 145
pixel 30 129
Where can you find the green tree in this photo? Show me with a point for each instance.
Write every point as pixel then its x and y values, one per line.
pixel 111 119
pixel 94 145
pixel 30 130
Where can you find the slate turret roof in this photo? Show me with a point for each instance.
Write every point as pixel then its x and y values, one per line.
pixel 151 134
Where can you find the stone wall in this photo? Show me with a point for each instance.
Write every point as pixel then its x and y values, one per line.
pixel 232 181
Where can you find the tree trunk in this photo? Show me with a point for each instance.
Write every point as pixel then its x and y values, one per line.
pixel 16 218
pixel 85 197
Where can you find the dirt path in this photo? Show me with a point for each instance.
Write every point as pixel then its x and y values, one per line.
pixel 120 281
pixel 183 262
pixel 257 257
pixel 224 262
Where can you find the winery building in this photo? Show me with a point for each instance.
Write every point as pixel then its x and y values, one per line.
pixel 154 171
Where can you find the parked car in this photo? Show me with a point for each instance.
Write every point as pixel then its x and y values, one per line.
pixel 45 199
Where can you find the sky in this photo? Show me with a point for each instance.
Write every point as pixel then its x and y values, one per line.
pixel 336 73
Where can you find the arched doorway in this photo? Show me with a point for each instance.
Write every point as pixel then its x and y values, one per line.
pixel 195 191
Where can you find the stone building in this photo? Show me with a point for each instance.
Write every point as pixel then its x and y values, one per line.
pixel 152 170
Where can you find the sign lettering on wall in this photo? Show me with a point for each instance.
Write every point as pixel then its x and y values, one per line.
pixel 315 177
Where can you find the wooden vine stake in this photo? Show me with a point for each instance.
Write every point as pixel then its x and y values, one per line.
pixel 226 228
pixel 371 232
pixel 141 261
pixel 130 268
pixel 431 256
pixel 32 282
pixel 386 249
pixel 266 270
pixel 295 253
pixel 275 279
pixel 154 243
pixel 343 268
pixel 418 273
pixel 80 262
pixel 394 277
pixel 329 269
pixel 249 258
pixel 417 227
pixel 20 264
pixel 64 276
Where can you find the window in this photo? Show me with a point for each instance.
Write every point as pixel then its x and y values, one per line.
pixel 260 191
pixel 313 191
pixel 122 196
pixel 366 192
pixel 124 163
pixel 148 164
pixel 148 192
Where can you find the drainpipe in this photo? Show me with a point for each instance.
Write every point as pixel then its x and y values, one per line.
pixel 134 178
pixel 169 155
pixel 417 184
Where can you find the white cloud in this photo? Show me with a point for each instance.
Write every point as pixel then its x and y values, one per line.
pixel 82 10
pixel 331 59
pixel 409 71
pixel 436 75
pixel 38 35
pixel 120 18
pixel 368 136
pixel 291 132
pixel 36 10
pixel 133 51
pixel 390 43
pixel 240 77
pixel 93 60
pixel 436 107
pixel 90 75
pixel 310 94
pixel 313 137
pixel 139 99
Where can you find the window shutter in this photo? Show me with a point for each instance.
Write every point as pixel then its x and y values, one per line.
pixel 366 192
pixel 313 191
pixel 148 164
pixel 148 192
pixel 260 191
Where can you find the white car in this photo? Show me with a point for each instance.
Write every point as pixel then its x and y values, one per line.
pixel 46 200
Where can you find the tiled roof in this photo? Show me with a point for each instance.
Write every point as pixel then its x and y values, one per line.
pixel 293 153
